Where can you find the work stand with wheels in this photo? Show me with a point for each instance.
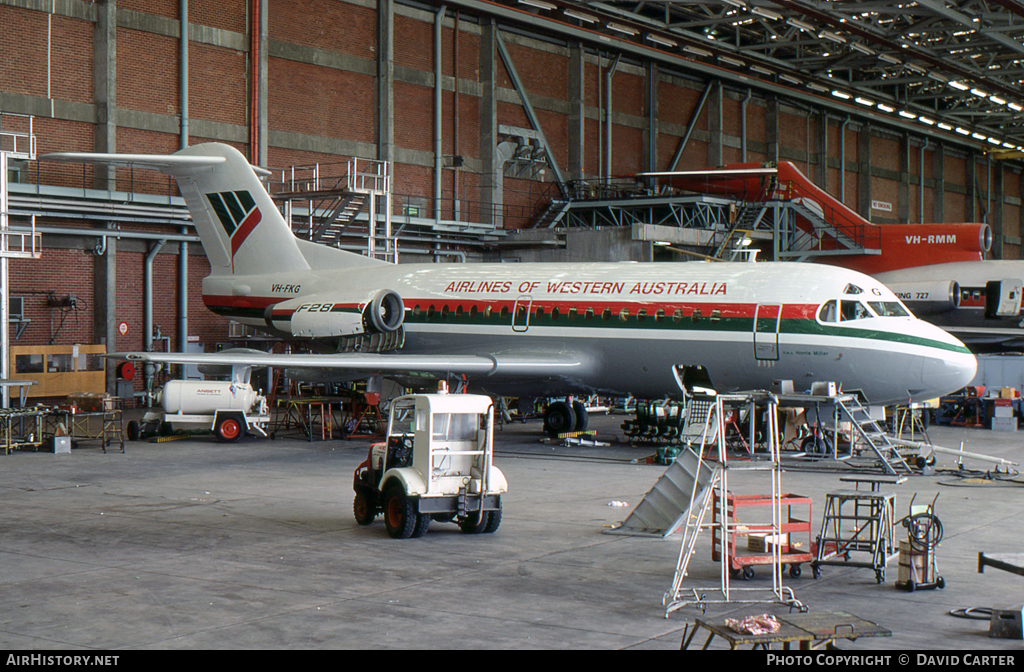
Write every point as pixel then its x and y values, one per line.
pixel 715 493
pixel 748 547
pixel 871 515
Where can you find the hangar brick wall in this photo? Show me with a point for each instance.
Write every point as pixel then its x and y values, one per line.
pixel 322 107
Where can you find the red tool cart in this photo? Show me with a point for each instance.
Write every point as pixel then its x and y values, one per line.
pixel 750 523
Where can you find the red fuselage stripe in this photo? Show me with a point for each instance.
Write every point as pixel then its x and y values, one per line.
pixel 789 311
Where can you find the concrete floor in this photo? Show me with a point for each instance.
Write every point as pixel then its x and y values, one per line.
pixel 199 545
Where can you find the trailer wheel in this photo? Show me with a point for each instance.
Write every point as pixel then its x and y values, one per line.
pixel 400 516
pixel 228 429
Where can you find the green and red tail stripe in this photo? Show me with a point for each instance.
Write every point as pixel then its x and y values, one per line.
pixel 237 213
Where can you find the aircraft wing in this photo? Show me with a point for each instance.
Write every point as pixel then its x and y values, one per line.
pixel 512 364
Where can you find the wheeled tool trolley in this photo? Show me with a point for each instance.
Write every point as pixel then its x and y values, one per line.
pixel 917 552
pixel 750 543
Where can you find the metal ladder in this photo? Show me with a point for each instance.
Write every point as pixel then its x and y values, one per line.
pixel 869 431
pixel 718 488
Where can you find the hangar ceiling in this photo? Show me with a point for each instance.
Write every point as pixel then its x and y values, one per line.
pixel 939 67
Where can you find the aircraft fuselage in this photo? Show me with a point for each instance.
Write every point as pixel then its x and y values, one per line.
pixel 747 324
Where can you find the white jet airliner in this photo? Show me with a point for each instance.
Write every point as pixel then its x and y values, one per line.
pixel 545 329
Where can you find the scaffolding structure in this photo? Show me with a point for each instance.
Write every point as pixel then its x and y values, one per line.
pixel 713 451
pixel 17 142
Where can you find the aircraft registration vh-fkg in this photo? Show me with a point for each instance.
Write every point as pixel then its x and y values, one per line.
pixel 544 329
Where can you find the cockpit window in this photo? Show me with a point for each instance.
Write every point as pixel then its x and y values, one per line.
pixel 888 309
pixel 852 310
pixel 827 312
pixel 852 289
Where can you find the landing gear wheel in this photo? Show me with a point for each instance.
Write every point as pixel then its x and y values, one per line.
pixel 400 516
pixel 474 523
pixel 794 571
pixel 363 510
pixel 134 431
pixel 579 411
pixel 559 418
pixel 228 429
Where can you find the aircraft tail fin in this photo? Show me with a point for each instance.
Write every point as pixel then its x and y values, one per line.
pixel 242 231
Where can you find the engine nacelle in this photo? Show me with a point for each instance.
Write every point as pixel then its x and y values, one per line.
pixel 927 297
pixel 333 314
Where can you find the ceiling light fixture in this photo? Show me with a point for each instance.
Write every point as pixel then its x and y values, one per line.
pixel 539 4
pixel 580 16
pixel 619 28
pixel 664 41
pixel 766 13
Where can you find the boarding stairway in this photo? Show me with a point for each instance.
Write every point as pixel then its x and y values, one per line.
pixel 666 506
pixel 867 429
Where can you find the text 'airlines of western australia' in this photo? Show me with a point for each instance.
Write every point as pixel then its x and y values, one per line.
pixel 547 329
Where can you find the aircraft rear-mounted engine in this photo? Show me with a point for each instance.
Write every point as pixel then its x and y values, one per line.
pixel 334 314
pixel 928 297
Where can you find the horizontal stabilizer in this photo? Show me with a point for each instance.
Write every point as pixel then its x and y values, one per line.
pixel 167 163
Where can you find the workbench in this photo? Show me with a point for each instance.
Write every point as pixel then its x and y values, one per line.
pixel 313 415
pixel 810 631
pixel 1008 562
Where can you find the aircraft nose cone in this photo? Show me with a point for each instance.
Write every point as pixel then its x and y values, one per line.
pixel 948 374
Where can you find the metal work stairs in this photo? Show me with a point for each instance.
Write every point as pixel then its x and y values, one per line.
pixel 804 244
pixel 666 506
pixel 870 432
pixel 552 214
pixel 341 213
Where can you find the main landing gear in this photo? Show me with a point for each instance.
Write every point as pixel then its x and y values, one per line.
pixel 566 415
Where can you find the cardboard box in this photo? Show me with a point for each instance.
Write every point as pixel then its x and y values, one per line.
pixel 61 444
pixel 762 543
pixel 1004 424
pixel 1008 393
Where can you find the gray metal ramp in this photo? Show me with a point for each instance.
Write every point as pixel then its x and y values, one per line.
pixel 664 508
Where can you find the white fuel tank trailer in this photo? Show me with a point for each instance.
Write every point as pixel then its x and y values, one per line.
pixel 191 397
pixel 228 408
